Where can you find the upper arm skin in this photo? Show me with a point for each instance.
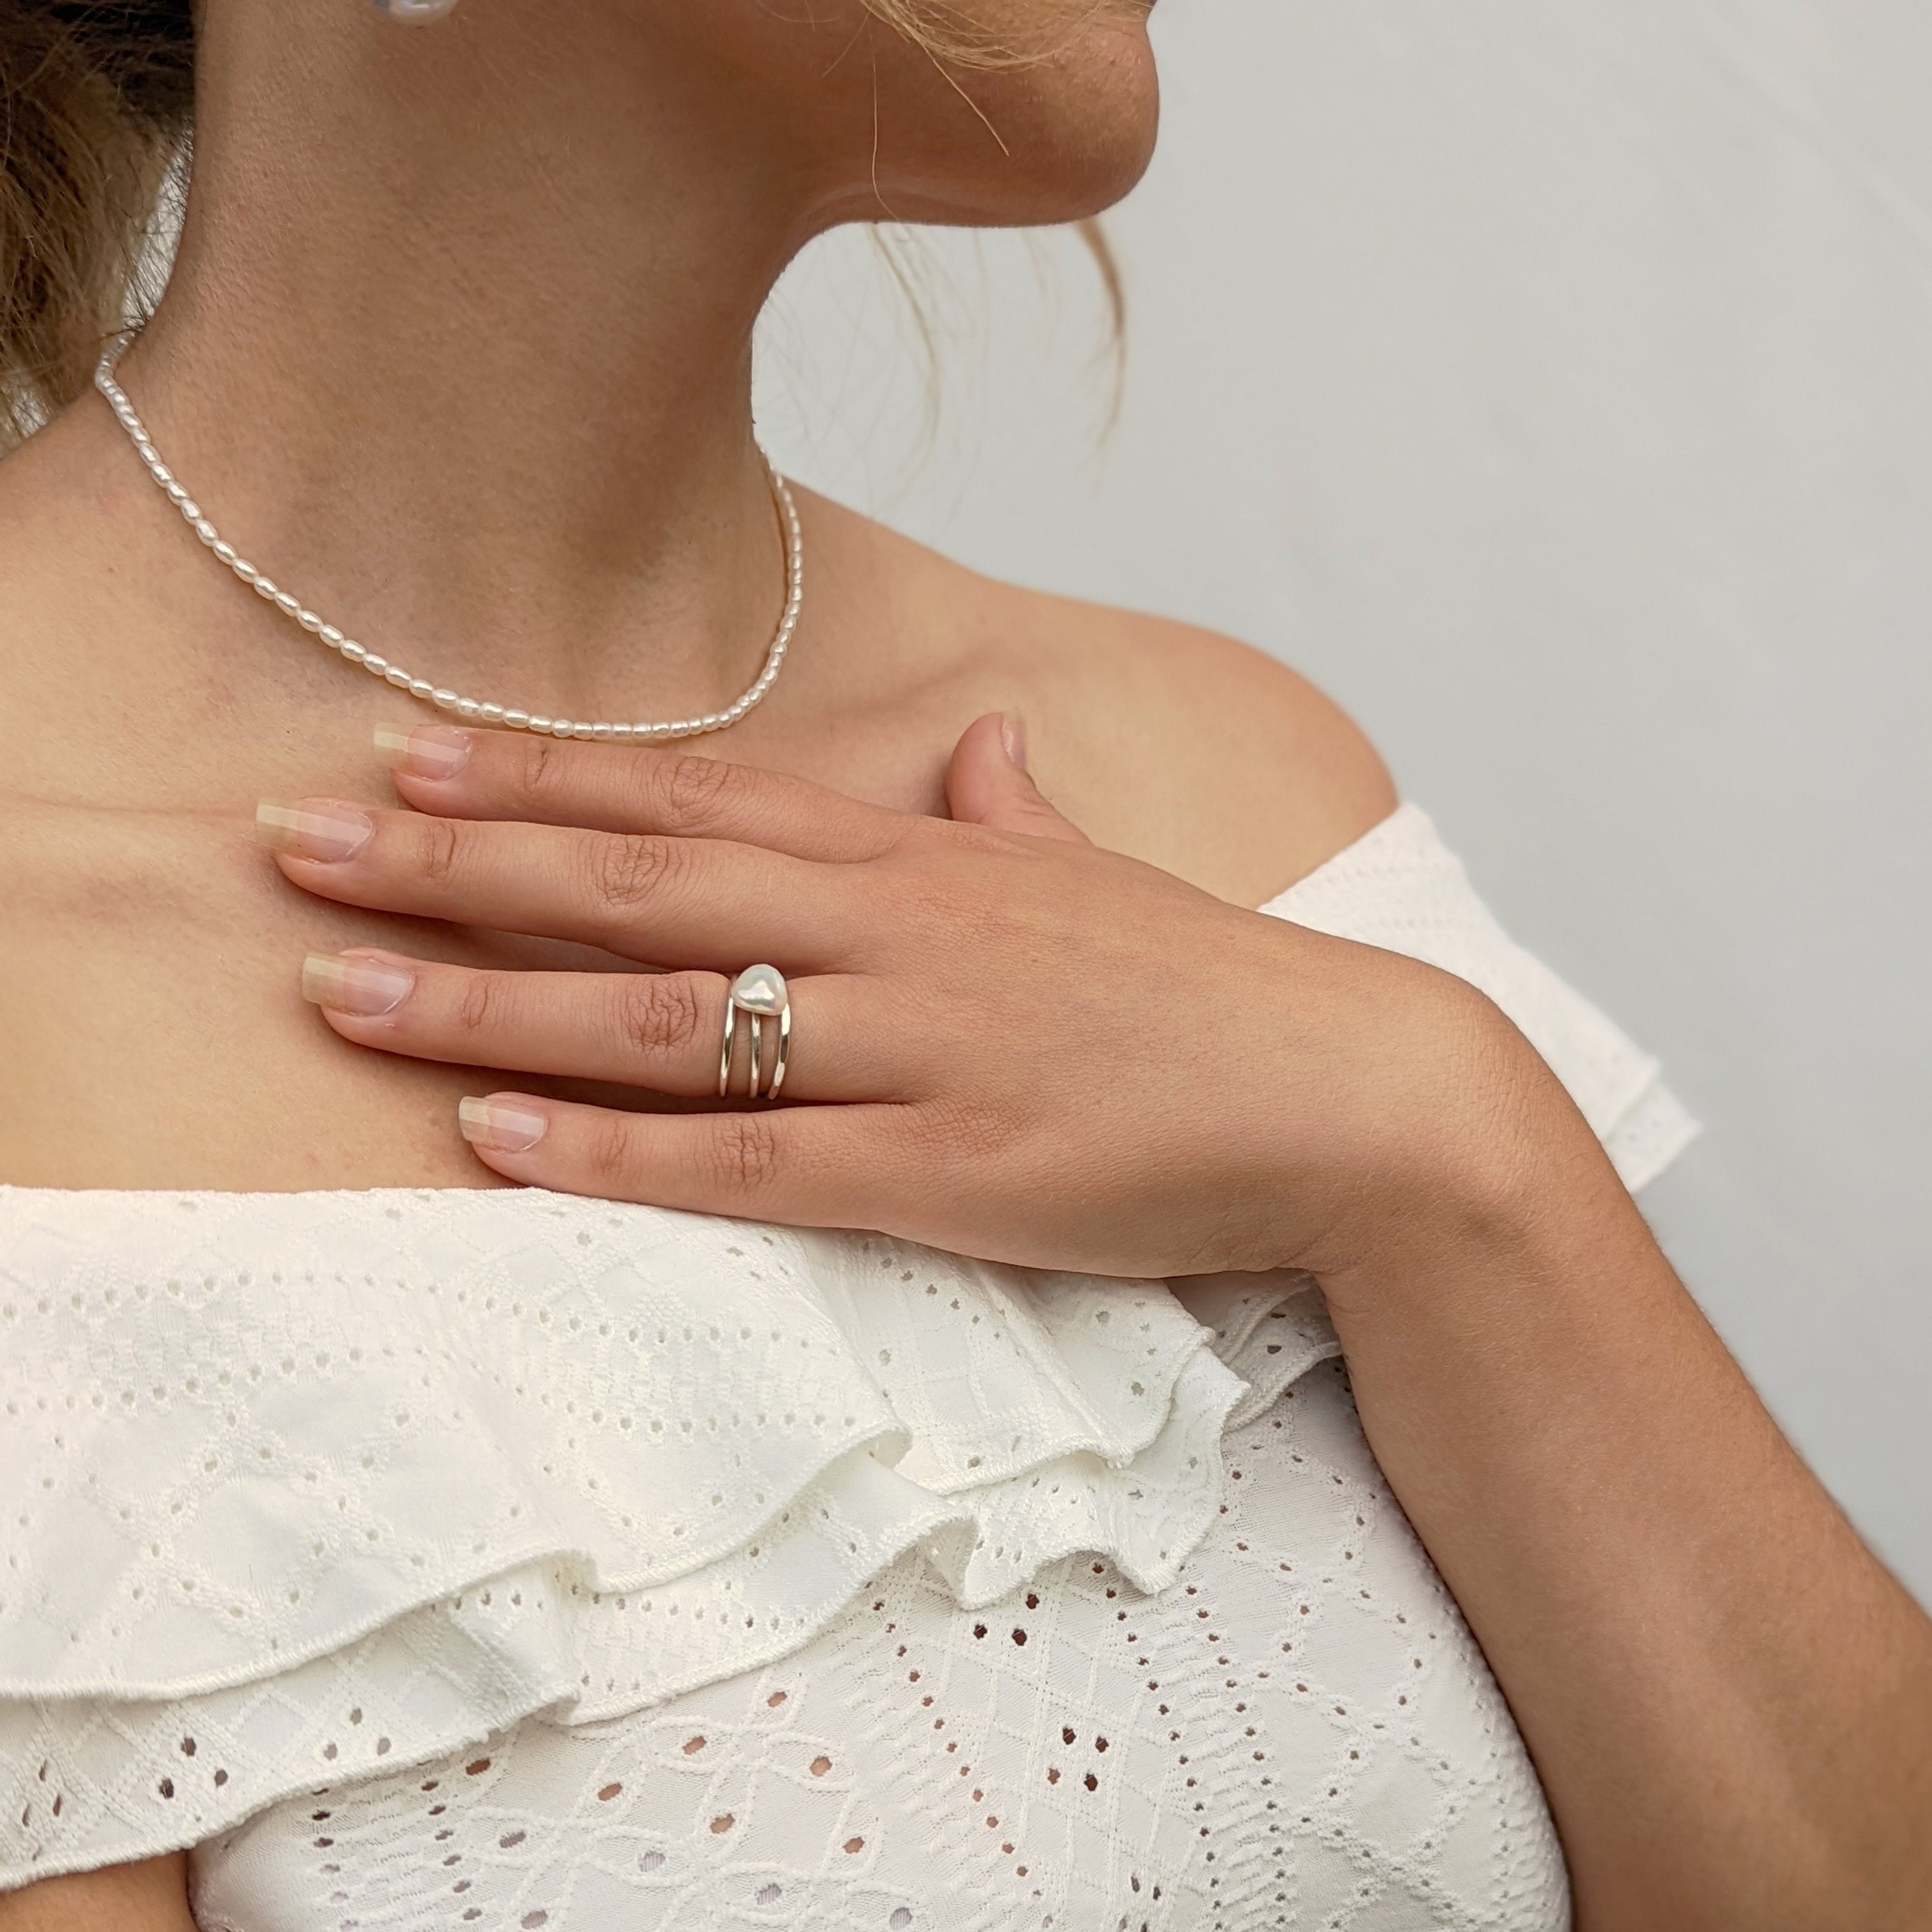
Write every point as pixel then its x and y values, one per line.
pixel 150 1897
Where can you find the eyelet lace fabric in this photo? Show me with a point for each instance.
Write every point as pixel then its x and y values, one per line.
pixel 318 1502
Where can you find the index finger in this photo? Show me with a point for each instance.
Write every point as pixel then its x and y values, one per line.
pixel 456 772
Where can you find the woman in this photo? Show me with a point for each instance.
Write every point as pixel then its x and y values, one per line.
pixel 387 1546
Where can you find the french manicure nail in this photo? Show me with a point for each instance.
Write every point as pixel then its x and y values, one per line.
pixel 318 828
pixel 364 984
pixel 1012 731
pixel 501 1126
pixel 424 751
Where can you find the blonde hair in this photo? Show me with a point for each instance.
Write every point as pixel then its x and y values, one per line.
pixel 97 110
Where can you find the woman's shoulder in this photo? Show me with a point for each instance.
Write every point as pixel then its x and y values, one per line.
pixel 1200 753
pixel 1165 739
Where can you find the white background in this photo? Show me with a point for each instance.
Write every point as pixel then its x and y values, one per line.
pixel 1549 381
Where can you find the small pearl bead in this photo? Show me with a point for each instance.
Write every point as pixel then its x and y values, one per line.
pixel 445 699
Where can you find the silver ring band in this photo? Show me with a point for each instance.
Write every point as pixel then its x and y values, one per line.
pixel 760 993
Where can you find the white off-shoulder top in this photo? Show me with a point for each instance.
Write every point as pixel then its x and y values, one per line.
pixel 430 1559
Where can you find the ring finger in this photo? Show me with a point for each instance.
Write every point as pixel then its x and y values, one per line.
pixel 663 1031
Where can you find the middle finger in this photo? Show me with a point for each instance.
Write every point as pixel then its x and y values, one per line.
pixel 671 902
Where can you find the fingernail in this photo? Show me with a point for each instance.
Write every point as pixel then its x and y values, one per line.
pixel 316 828
pixel 501 1126
pixel 1012 731
pixel 362 983
pixel 424 751
pixel 413 13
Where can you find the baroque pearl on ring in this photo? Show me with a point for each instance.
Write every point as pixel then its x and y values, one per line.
pixel 760 993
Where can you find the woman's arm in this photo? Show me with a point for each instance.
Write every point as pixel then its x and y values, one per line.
pixel 150 1897
pixel 1009 1044
pixel 1728 1699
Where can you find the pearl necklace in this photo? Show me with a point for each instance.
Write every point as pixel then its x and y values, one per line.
pixel 443 698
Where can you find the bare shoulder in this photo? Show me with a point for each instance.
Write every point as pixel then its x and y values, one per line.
pixel 1203 755
pixel 1184 747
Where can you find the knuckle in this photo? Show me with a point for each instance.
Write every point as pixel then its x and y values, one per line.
pixel 696 790
pixel 606 1154
pixel 743 1152
pixel 444 845
pixel 661 1014
pixel 479 1005
pixel 544 775
pixel 628 871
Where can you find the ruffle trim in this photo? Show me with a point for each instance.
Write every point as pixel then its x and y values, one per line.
pixel 1400 888
pixel 314 1485
pixel 409 1445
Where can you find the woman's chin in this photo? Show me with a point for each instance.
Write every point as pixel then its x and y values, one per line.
pixel 1062 153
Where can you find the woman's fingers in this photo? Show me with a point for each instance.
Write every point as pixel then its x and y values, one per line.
pixel 672 902
pixel 811 1167
pixel 460 773
pixel 663 1031
pixel 987 782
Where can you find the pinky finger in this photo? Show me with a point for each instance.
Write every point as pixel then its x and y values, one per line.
pixel 807 1167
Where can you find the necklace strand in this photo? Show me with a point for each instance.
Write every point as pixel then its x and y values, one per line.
pixel 444 699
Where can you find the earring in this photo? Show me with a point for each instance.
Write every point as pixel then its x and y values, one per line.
pixel 412 13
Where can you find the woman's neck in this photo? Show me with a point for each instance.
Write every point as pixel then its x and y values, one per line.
pixel 458 347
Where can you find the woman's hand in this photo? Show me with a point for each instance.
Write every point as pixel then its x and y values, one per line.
pixel 1005 1042
pixel 1010 1044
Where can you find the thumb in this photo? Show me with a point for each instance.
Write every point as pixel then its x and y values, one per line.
pixel 986 783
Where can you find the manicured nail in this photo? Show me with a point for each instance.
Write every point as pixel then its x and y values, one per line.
pixel 501 1126
pixel 365 984
pixel 413 13
pixel 425 751
pixel 1012 730
pixel 318 828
